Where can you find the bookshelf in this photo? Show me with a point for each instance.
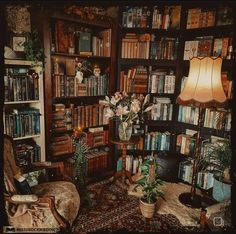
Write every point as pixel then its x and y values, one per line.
pixel 71 103
pixel 213 38
pixel 134 34
pixel 147 44
pixel 23 114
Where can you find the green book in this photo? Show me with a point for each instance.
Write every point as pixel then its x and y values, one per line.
pixel 84 42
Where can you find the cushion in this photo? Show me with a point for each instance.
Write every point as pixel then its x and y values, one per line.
pixel 67 199
pixel 24 198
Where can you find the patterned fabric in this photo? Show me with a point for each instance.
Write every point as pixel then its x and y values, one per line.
pixel 67 200
pixel 112 209
pixel 30 215
pixel 37 215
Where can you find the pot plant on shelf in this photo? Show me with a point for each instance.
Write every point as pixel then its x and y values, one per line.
pixel 218 162
pixel 150 184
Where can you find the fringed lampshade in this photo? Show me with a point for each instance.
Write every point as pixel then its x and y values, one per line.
pixel 203 86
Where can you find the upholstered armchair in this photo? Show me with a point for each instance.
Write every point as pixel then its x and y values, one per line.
pixel 52 204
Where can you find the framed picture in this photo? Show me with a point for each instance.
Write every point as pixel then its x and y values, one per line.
pixel 18 43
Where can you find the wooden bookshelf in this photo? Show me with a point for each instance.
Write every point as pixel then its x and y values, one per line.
pixel 179 65
pixel 49 17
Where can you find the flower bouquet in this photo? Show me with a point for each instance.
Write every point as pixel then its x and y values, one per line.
pixel 127 108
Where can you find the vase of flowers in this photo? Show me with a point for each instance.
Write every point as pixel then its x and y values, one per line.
pixel 124 131
pixel 127 109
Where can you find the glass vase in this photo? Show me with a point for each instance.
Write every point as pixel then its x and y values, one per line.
pixel 125 132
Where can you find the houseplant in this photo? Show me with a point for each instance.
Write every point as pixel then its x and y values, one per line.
pixel 127 109
pixel 218 162
pixel 150 184
pixel 33 47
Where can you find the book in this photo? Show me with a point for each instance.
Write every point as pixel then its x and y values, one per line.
pixel 84 42
pixel 61 36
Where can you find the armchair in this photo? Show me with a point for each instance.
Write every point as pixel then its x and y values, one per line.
pixel 52 204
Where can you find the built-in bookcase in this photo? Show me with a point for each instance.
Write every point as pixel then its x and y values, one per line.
pixel 79 70
pixel 23 114
pixel 156 43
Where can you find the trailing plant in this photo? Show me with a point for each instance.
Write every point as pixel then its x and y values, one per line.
pixel 80 160
pixel 33 47
pixel 150 182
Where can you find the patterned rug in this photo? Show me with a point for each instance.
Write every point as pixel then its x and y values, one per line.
pixel 112 209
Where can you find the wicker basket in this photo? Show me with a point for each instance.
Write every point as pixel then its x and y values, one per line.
pixel 147 209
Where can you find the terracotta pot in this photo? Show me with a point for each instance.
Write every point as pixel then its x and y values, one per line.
pixel 147 210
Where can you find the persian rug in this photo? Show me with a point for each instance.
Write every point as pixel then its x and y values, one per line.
pixel 111 209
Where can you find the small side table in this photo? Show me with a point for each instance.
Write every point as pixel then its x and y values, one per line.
pixel 123 144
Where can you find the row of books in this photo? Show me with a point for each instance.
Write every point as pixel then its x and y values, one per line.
pixel 185 144
pixel 204 179
pixel 208 46
pixel 162 109
pixel 188 114
pixel 27 153
pixel 20 87
pixel 67 118
pixel 164 48
pixel 97 161
pixel 97 138
pixel 161 81
pixel 132 164
pixel 198 18
pixel 60 145
pixel 68 86
pixel 157 141
pixel 101 44
pixel 218 119
pixel 185 172
pixel 136 17
pixel 166 18
pixel 70 38
pixel 135 46
pixel 135 80
pixel 22 122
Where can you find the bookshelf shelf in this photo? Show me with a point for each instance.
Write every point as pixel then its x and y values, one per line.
pixel 148 62
pixel 161 123
pixel 20 62
pixel 80 56
pixel 159 32
pixel 26 137
pixel 21 102
pixel 217 31
pixel 75 18
pixel 226 63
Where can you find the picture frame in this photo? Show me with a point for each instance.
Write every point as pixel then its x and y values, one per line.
pixel 17 44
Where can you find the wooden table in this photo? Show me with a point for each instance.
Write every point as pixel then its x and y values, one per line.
pixel 123 145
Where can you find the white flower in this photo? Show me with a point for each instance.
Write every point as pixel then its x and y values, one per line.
pixel 135 106
pixel 122 110
pixel 109 113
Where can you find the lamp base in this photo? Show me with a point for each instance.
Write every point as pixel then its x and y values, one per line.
pixel 187 200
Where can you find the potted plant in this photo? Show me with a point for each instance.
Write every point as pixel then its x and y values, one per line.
pixel 150 184
pixel 218 162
